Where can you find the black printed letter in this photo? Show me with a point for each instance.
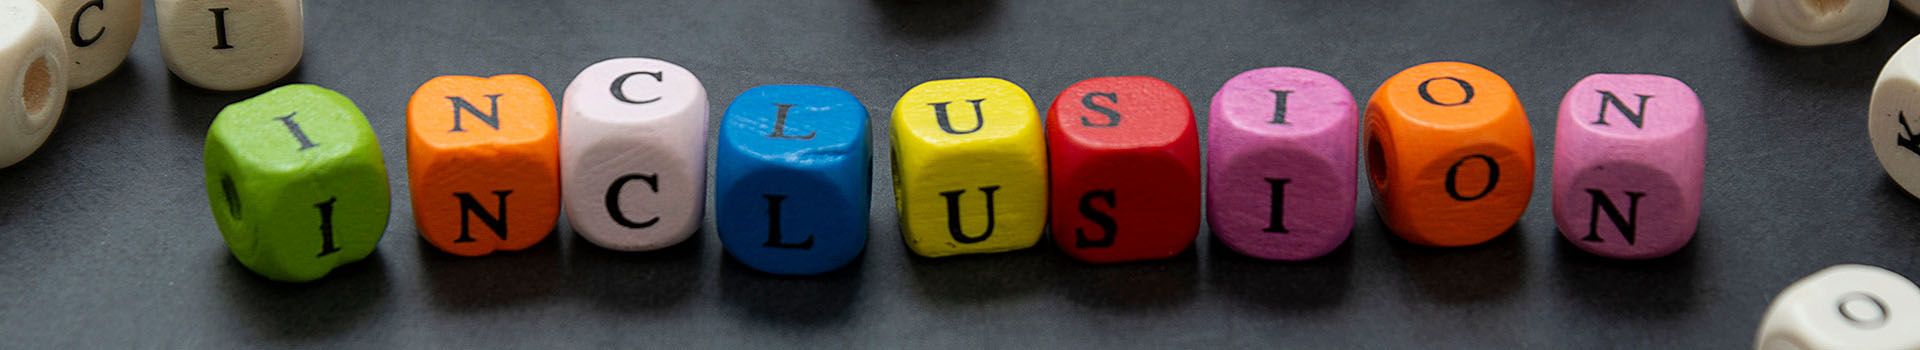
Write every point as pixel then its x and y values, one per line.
pixel 621 94
pixel 1493 178
pixel 1607 98
pixel 1113 117
pixel 1277 196
pixel 613 199
pixel 294 128
pixel 953 215
pixel 326 227
pixel 1468 88
pixel 780 124
pixel 1627 225
pixel 773 226
pixel 940 114
pixel 468 205
pixel 220 28
pixel 1099 218
pixel 74 30
pixel 492 119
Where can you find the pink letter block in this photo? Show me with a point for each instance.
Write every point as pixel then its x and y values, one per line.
pixel 1629 154
pixel 1282 163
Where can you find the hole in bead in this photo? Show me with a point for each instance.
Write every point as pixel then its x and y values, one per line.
pixel 1825 7
pixel 37 88
pixel 1376 163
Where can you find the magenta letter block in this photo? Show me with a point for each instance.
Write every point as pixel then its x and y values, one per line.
pixel 1282 163
pixel 1629 154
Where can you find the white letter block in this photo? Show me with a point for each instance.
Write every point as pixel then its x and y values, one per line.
pixel 98 34
pixel 33 78
pixel 633 153
pixel 1844 307
pixel 230 44
pixel 1813 22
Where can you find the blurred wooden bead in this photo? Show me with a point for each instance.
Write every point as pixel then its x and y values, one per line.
pixel 483 163
pixel 98 33
pixel 1893 117
pixel 633 153
pixel 1629 158
pixel 971 171
pixel 1449 154
pixel 33 79
pixel 1282 161
pixel 230 45
pixel 1843 307
pixel 1812 22
pixel 1125 164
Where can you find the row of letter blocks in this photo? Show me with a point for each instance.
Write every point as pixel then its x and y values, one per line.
pixel 1113 171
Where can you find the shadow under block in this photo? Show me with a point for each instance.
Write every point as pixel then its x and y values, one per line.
pixel 1812 22
pixel 99 34
pixel 31 73
pixel 1843 307
pixel 1282 155
pixel 296 182
pixel 633 154
pixel 1629 158
pixel 1125 165
pixel 791 179
pixel 483 162
pixel 970 170
pixel 1449 153
pixel 1893 117
pixel 230 45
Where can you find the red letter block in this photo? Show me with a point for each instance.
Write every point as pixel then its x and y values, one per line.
pixel 1125 161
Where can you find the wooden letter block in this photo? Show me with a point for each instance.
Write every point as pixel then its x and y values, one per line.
pixel 1125 159
pixel 633 153
pixel 99 33
pixel 483 162
pixel 33 80
pixel 1282 149
pixel 296 182
pixel 230 44
pixel 1629 158
pixel 1449 154
pixel 1893 117
pixel 791 179
pixel 970 171
pixel 1844 307
pixel 1812 22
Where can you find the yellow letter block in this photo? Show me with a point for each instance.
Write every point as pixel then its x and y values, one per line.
pixel 969 167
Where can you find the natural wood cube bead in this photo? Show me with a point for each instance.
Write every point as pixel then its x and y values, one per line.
pixel 1449 153
pixel 483 160
pixel 1629 160
pixel 970 170
pixel 1893 117
pixel 1812 22
pixel 33 78
pixel 1282 156
pixel 230 44
pixel 98 33
pixel 633 153
pixel 1843 307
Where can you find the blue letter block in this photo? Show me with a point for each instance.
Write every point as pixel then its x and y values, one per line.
pixel 791 178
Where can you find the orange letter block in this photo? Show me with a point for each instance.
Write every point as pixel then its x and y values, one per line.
pixel 1449 154
pixel 483 159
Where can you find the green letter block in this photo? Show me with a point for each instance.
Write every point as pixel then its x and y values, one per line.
pixel 296 182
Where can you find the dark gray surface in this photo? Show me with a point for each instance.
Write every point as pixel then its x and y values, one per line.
pixel 108 240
